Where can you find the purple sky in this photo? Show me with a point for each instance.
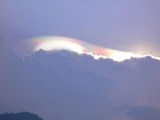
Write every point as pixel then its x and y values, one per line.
pixel 67 86
pixel 119 24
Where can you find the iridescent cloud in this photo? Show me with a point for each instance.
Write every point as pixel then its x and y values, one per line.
pixel 55 43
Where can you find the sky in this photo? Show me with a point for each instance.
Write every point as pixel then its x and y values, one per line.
pixel 65 85
pixel 130 25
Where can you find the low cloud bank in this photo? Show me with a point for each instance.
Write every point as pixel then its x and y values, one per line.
pixel 67 86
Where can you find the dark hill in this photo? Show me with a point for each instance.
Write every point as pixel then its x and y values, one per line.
pixel 19 116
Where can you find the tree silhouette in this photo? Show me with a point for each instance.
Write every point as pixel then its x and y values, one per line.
pixel 19 116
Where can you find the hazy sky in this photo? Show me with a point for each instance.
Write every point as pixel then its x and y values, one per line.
pixel 119 24
pixel 67 86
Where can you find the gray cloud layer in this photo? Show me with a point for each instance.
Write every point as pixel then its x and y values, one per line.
pixel 67 86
